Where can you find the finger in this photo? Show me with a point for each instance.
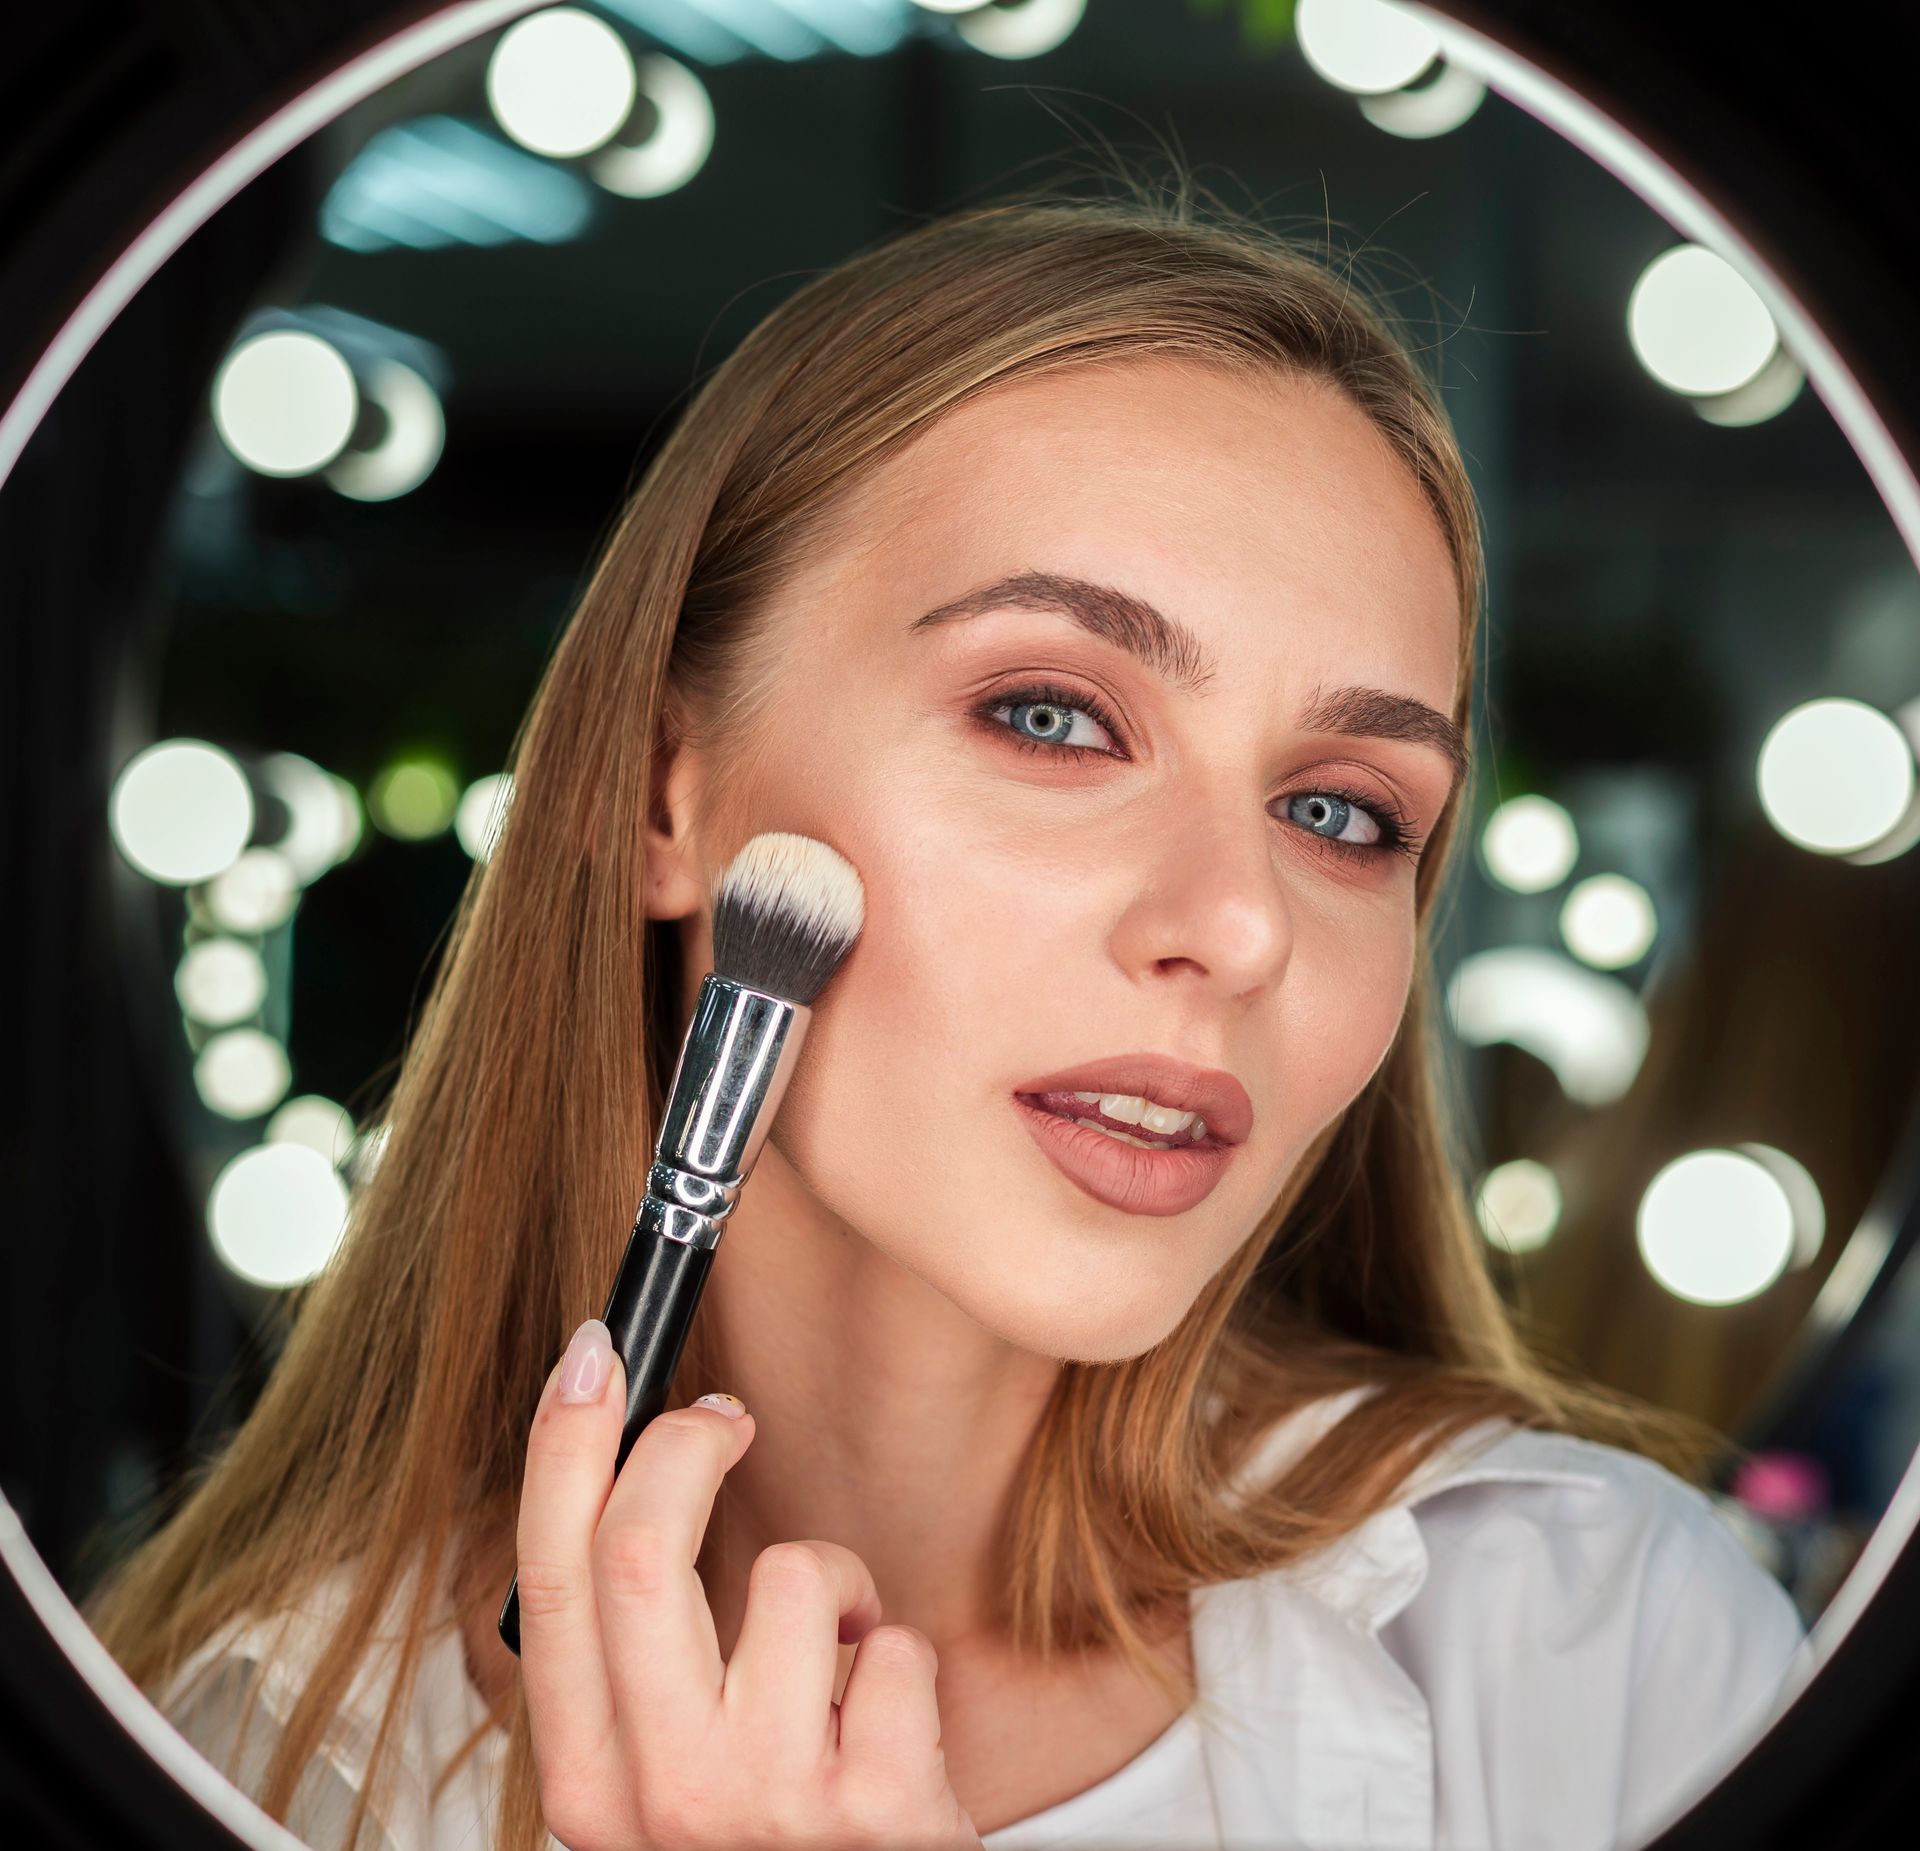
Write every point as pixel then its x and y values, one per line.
pixel 569 1472
pixel 662 1652
pixel 803 1600
pixel 890 1712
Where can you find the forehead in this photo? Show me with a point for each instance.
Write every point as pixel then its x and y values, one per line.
pixel 1243 505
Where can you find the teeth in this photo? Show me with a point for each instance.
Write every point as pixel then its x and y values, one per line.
pixel 1131 1109
pixel 1093 1124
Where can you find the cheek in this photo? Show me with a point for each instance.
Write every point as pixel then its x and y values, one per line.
pixel 910 1039
pixel 1347 1010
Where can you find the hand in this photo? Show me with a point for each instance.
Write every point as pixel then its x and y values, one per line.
pixel 645 1739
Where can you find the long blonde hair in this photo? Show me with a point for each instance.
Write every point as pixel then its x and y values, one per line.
pixel 522 1120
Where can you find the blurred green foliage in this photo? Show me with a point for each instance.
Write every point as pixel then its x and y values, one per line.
pixel 1263 23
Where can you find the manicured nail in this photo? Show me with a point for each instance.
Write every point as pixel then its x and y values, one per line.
pixel 729 1405
pixel 588 1362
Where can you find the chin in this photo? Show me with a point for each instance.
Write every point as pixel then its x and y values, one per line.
pixel 1070 1321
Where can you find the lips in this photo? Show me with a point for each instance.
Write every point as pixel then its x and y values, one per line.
pixel 1217 1096
pixel 1124 1176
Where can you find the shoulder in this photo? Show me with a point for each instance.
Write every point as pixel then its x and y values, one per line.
pixel 1601 1530
pixel 1583 1592
pixel 232 1699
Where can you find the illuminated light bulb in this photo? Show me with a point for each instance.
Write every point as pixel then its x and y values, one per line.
pixel 1024 30
pixel 1696 324
pixel 1529 844
pixel 320 1123
pixel 1835 775
pixel 1365 46
pixel 560 82
pixel 1518 1205
pixel 255 894
pixel 323 814
pixel 1715 1227
pixel 679 143
pixel 242 1072
pixel 276 1214
pixel 404 456
pixel 220 981
pixel 1429 110
pixel 181 811
pixel 285 402
pixel 1608 921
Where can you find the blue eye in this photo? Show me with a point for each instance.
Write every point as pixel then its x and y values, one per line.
pixel 1051 710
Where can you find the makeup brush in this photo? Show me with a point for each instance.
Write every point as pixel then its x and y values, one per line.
pixel 786 912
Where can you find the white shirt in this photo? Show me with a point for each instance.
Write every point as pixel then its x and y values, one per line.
pixel 1543 1644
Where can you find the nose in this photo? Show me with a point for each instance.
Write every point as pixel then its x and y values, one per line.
pixel 1211 906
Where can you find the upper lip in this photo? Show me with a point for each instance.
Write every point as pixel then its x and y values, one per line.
pixel 1218 1097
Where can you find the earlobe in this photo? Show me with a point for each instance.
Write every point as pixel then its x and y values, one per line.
pixel 669 842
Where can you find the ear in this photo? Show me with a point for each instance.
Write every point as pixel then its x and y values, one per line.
pixel 670 839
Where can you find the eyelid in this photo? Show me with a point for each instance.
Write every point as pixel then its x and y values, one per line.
pixel 1042 687
pixel 1400 834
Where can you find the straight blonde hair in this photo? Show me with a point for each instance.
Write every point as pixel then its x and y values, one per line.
pixel 522 1120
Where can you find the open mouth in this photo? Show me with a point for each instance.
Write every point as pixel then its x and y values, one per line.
pixel 1114 1163
pixel 1194 1135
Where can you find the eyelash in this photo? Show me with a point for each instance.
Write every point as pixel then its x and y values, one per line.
pixel 1396 830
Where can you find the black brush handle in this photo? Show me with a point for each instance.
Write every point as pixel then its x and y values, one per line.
pixel 649 1313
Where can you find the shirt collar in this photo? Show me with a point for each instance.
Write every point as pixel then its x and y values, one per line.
pixel 1369 1574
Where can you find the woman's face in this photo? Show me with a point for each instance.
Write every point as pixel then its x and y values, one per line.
pixel 1206 879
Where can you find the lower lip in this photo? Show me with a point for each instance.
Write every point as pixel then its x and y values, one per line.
pixel 1143 1182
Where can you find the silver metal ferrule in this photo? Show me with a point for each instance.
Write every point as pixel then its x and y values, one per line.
pixel 732 1074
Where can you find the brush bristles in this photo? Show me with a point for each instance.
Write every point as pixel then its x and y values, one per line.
pixel 786 913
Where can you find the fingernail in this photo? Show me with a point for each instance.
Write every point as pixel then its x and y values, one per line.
pixel 729 1405
pixel 588 1362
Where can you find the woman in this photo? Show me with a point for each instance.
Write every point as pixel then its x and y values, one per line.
pixel 1103 582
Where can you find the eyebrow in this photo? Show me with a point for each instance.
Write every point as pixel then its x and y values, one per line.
pixel 1177 656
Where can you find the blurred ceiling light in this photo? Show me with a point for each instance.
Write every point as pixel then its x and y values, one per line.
pixel 1696 324
pixel 1426 110
pixel 256 894
pixel 181 811
pixel 1529 844
pixel 1715 1227
pixel 413 799
pixel 220 981
pixel 438 180
pixel 1608 921
pixel 1518 1205
pixel 409 447
pixel 483 807
pixel 1590 1029
pixel 676 147
pixel 1019 29
pixel 276 1214
pixel 1766 395
pixel 242 1072
pixel 1835 775
pixel 685 26
pixel 560 81
pixel 323 811
pixel 1365 46
pixel 285 402
pixel 320 1123
pixel 720 31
